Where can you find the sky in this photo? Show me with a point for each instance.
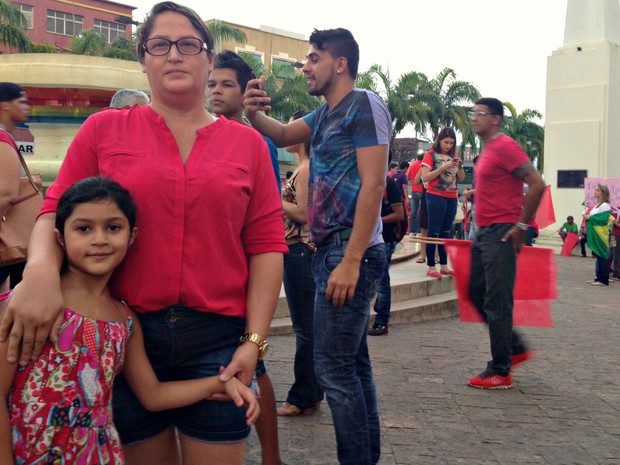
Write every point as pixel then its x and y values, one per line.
pixel 500 46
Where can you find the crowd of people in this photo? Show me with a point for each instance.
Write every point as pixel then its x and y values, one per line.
pixel 155 264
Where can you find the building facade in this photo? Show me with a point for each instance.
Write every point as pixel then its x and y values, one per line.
pixel 56 22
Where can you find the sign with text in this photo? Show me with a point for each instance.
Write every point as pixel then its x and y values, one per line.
pixel 614 190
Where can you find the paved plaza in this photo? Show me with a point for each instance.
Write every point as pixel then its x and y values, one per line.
pixel 564 407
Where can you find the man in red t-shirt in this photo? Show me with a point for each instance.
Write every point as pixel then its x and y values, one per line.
pixel 416 196
pixel 502 217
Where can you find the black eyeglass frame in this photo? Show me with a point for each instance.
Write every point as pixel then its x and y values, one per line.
pixel 203 46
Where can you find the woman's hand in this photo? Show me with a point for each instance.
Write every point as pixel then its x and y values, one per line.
pixel 33 314
pixel 242 365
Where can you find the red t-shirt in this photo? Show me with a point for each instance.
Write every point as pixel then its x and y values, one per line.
pixel 443 185
pixel 411 173
pixel 197 222
pixel 499 193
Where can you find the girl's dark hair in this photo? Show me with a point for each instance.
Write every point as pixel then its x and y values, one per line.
pixel 94 188
pixel 300 114
pixel 147 26
pixel 444 134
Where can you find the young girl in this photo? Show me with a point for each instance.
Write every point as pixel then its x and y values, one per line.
pixel 441 169
pixel 58 407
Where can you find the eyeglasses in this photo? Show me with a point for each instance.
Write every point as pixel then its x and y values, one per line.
pixel 158 46
pixel 479 113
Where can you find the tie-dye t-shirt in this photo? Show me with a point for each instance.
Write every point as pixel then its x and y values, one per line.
pixel 360 119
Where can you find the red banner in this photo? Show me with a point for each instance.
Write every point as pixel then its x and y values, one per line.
pixel 545 215
pixel 570 241
pixel 535 284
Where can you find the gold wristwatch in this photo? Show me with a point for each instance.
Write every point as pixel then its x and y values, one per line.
pixel 258 340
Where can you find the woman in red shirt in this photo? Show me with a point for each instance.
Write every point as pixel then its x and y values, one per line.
pixel 441 169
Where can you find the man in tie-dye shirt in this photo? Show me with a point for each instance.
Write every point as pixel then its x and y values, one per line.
pixel 349 136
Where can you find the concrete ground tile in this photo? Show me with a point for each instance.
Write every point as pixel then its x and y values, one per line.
pixel 566 454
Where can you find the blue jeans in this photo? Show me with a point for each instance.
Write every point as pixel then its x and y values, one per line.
pixel 341 357
pixel 300 290
pixel 601 268
pixel 414 215
pixel 441 212
pixel 491 283
pixel 384 290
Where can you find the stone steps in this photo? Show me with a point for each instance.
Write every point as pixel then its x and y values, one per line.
pixel 415 297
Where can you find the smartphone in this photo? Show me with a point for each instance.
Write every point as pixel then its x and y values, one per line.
pixel 256 86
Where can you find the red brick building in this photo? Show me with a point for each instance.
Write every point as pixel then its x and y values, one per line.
pixel 57 21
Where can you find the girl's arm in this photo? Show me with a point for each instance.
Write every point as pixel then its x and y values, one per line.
pixel 7 374
pixel 155 395
pixel 428 175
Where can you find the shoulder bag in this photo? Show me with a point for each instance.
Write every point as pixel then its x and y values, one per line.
pixel 17 224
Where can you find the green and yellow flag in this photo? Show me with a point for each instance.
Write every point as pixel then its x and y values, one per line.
pixel 597 230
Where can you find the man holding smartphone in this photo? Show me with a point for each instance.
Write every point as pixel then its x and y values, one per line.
pixel 349 136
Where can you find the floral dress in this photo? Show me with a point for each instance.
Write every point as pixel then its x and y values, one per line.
pixel 60 405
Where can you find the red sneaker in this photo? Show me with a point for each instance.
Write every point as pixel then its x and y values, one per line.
pixel 487 380
pixel 517 359
pixel 434 274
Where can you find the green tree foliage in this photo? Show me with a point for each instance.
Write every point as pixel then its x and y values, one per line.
pixel 123 49
pixel 287 88
pixel 89 42
pixel 42 47
pixel 13 27
pixel 527 132
pixel 223 32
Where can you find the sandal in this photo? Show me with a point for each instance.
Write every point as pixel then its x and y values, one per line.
pixel 290 410
pixel 447 272
pixel 421 260
pixel 434 274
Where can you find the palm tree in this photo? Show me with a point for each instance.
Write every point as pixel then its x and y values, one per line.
pixel 13 27
pixel 89 42
pixel 288 89
pixel 223 32
pixel 529 134
pixel 449 101
pixel 123 49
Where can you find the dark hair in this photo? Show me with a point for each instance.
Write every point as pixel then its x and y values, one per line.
pixel 144 31
pixel 403 165
pixel 496 106
pixel 94 188
pixel 569 217
pixel 443 134
pixel 10 91
pixel 230 60
pixel 297 115
pixel 338 43
pixel 393 164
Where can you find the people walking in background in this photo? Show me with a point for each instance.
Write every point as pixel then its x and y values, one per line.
pixel 597 230
pixel 127 97
pixel 305 395
pixel 441 169
pixel 392 213
pixel 14 109
pixel 416 197
pixel 502 217
pixel 206 277
pixel 349 135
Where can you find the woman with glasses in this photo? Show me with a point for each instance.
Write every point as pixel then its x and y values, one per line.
pixel 205 272
pixel 440 171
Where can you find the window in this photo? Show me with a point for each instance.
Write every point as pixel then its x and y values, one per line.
pixel 26 10
pixel 109 30
pixel 572 178
pixel 64 23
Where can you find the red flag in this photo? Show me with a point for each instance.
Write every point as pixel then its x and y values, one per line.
pixel 569 243
pixel 535 284
pixel 545 214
